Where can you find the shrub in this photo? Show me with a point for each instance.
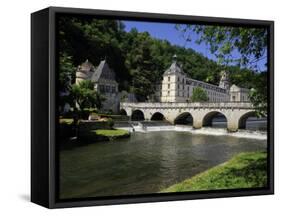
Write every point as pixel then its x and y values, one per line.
pixel 110 122
pixel 199 95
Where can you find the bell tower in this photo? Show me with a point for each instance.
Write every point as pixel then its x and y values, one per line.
pixel 224 81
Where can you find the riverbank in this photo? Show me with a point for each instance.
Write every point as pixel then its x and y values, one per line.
pixel 94 136
pixel 112 134
pixel 103 135
pixel 245 170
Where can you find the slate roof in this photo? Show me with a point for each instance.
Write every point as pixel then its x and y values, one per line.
pixel 103 71
pixel 174 68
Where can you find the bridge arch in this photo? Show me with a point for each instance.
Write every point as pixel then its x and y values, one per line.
pixel 243 119
pixel 123 112
pixel 157 116
pixel 208 119
pixel 137 115
pixel 184 118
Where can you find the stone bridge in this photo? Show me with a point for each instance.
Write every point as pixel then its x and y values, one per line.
pixel 201 114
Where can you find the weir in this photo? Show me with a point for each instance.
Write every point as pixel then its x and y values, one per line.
pixel 143 128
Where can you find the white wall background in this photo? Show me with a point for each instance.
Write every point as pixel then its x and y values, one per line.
pixel 15 106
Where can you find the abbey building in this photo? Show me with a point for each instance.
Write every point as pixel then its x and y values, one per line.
pixel 104 81
pixel 176 86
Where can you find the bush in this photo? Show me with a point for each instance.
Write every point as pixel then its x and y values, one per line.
pixel 110 122
pixel 84 114
pixel 199 95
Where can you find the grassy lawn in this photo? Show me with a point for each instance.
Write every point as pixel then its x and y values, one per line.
pixel 111 133
pixel 66 121
pixel 245 170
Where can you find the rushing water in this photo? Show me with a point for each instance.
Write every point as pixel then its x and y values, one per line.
pixel 147 162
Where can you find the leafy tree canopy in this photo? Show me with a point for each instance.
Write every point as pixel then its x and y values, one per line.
pixel 250 43
pixel 199 95
pixel 85 95
pixel 139 60
pixel 66 71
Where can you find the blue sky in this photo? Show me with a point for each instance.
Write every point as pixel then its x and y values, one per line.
pixel 168 32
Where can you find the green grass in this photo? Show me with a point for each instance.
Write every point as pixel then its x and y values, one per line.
pixel 111 133
pixel 245 170
pixel 66 121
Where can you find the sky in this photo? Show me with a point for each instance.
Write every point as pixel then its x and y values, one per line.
pixel 168 32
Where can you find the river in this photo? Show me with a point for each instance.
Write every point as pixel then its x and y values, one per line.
pixel 149 161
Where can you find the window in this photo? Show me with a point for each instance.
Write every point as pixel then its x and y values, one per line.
pixel 168 79
pixel 107 88
pixel 113 89
pixel 168 92
pixel 233 98
pixel 168 86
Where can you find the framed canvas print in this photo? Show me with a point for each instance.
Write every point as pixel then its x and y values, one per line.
pixel 138 107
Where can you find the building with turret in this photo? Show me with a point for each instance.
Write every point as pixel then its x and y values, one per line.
pixel 176 86
pixel 104 81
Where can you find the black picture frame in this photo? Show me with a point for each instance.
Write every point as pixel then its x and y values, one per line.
pixel 44 98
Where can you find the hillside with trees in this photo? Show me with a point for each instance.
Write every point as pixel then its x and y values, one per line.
pixel 138 59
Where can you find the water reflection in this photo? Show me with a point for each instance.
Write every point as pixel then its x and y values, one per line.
pixel 144 163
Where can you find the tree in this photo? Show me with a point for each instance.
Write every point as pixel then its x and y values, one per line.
pixel 85 95
pixel 250 43
pixel 141 67
pixel 95 39
pixel 66 74
pixel 138 59
pixel 199 95
pixel 66 71
pixel 258 95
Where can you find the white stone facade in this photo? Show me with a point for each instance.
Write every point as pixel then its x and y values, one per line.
pixel 176 86
pixel 238 94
